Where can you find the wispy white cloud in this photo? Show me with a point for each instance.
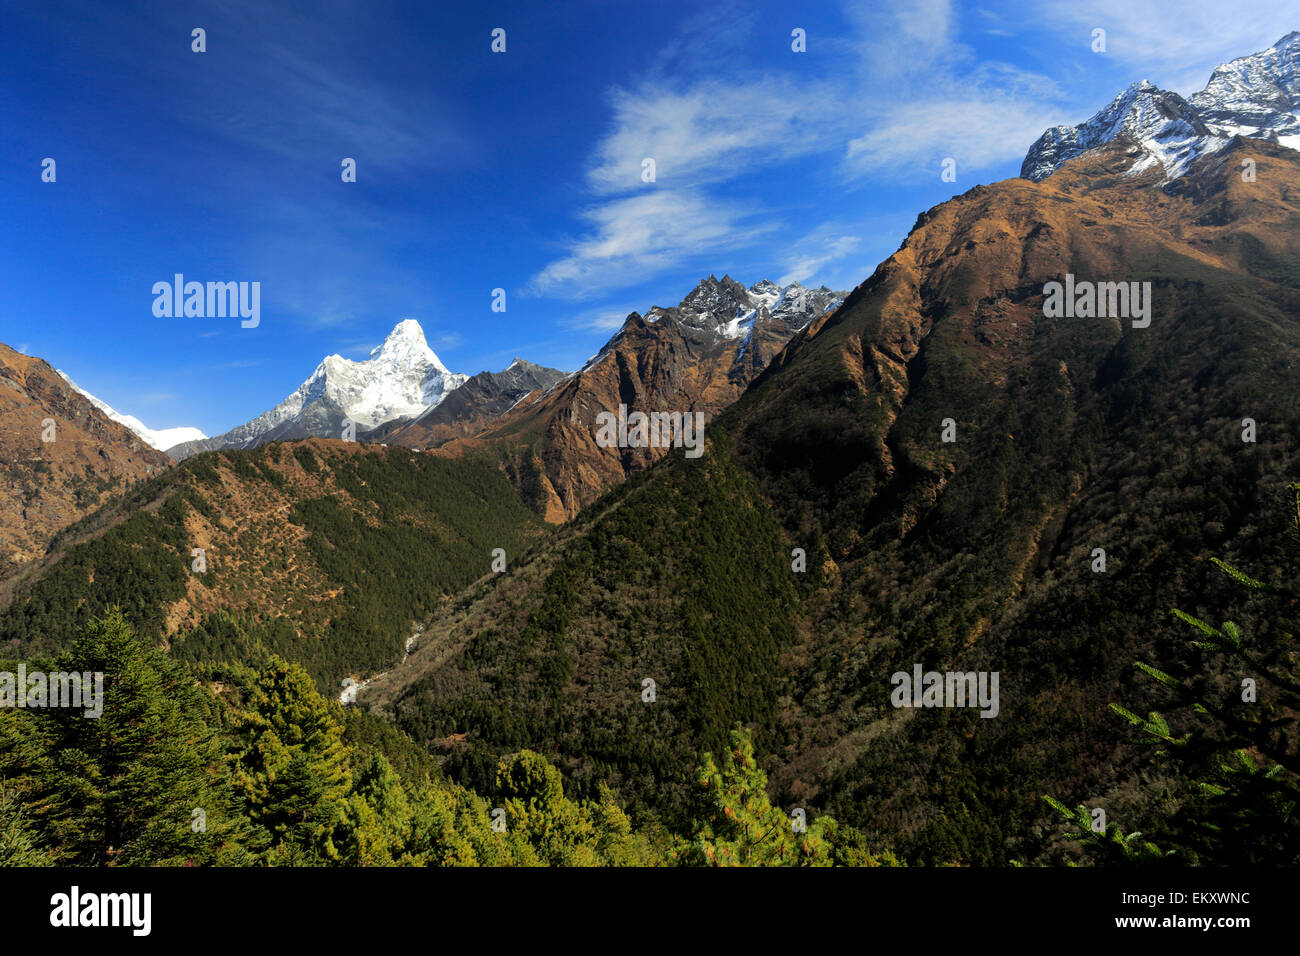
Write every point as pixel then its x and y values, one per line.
pixel 707 134
pixel 810 255
pixel 942 101
pixel 913 139
pixel 722 32
pixel 699 136
pixel 710 132
pixel 603 319
pixel 1174 43
pixel 312 105
pixel 303 90
pixel 904 94
pixel 840 253
pixel 893 96
pixel 901 39
pixel 446 340
pixel 635 236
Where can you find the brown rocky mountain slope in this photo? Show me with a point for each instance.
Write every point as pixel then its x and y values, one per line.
pixel 469 409
pixel 1071 434
pixel 47 485
pixel 698 356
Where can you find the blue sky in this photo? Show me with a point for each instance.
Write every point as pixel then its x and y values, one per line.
pixel 519 170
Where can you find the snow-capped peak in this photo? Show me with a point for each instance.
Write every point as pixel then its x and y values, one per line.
pixel 406 345
pixel 161 438
pixel 730 310
pixel 1257 95
pixel 718 310
pixel 1162 123
pixel 1254 96
pixel 765 293
pixel 402 377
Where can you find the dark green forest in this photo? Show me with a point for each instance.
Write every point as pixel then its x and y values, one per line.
pixel 387 539
pixel 252 766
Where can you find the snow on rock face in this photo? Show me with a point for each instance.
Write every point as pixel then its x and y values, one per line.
pixel 727 309
pixel 766 293
pixel 1164 124
pixel 401 377
pixel 160 438
pixel 1255 96
pixel 723 309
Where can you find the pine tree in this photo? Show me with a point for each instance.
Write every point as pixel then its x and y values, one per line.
pixel 130 787
pixel 453 827
pixel 291 766
pixel 376 823
pixel 739 826
pixel 1238 752
pixel 19 842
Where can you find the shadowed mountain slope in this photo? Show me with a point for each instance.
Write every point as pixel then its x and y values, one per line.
pixel 977 554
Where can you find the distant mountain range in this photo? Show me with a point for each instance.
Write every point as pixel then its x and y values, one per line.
pixel 1256 96
pixel 395 394
pixel 470 407
pixel 700 354
pixel 832 534
pixel 697 356
pixel 402 377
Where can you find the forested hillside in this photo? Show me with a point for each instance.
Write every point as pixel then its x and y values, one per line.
pixel 252 766
pixel 976 554
pixel 937 474
pixel 326 552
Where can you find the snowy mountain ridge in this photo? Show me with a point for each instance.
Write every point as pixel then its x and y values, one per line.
pixel 159 438
pixel 401 378
pixel 1256 96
